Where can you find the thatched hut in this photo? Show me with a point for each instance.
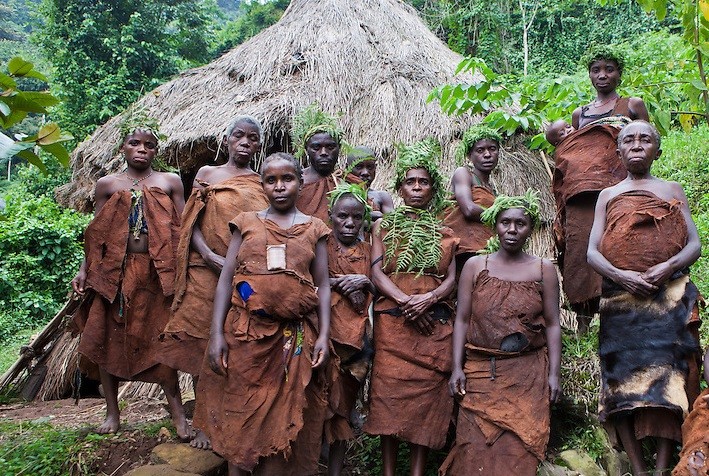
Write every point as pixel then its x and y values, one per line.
pixel 373 62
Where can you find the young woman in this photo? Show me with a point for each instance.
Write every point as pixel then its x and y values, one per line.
pixel 130 266
pixel 414 270
pixel 260 400
pixel 220 193
pixel 349 260
pixel 472 190
pixel 506 350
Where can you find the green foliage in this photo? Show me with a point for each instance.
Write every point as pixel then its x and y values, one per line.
pixel 252 17
pixel 415 243
pixel 684 160
pixel 108 53
pixel 40 251
pixel 38 449
pixel 16 104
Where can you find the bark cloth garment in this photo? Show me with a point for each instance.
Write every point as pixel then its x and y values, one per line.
pixel 409 396
pixel 313 198
pixel 586 163
pixel 186 335
pixel 130 305
pixel 648 347
pixel 270 408
pixel 695 436
pixel 348 327
pixel 503 419
pixel 473 234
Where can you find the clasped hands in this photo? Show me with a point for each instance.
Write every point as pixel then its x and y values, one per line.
pixel 415 311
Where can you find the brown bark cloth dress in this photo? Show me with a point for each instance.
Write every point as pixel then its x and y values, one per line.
pixel 586 163
pixel 695 436
pixel 348 327
pixel 409 396
pixel 648 347
pixel 503 419
pixel 130 306
pixel 473 235
pixel 186 335
pixel 313 198
pixel 268 412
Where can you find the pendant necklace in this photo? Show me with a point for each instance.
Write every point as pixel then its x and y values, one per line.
pixel 135 180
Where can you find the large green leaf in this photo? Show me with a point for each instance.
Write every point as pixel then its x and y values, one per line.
pixel 12 149
pixel 19 67
pixel 57 150
pixel 33 159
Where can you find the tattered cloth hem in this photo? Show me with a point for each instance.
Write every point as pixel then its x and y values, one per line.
pixel 651 370
pixel 695 436
pixel 182 351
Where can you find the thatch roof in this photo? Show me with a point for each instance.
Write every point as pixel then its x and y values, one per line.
pixel 374 62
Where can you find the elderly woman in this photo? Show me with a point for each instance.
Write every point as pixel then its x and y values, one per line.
pixel 586 163
pixel 414 270
pixel 219 194
pixel 506 350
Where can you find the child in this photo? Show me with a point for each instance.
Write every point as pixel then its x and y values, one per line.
pixel 362 167
pixel 130 265
pixel 557 131
pixel 260 400
pixel 348 266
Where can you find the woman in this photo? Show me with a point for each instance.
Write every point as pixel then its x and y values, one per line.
pixel 220 193
pixel 605 68
pixel 130 266
pixel 586 163
pixel 414 270
pixel 349 260
pixel 260 400
pixel 507 322
pixel 472 190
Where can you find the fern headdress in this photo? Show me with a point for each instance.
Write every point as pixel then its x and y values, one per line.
pixel 471 136
pixel 354 190
pixel 529 202
pixel 413 236
pixel 358 155
pixel 310 121
pixel 425 154
pixel 603 52
pixel 136 118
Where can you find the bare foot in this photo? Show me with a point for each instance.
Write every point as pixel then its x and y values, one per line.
pixel 697 464
pixel 110 425
pixel 201 441
pixel 184 431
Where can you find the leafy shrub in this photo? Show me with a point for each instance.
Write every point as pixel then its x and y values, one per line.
pixel 40 252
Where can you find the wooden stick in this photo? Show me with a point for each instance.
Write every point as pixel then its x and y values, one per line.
pixel 546 165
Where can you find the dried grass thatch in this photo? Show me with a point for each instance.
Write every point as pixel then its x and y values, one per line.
pixel 374 62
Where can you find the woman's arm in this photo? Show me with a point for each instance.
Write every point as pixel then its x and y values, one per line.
pixel 638 110
pixel 218 350
pixel 631 281
pixel 550 292
pixel 199 244
pixel 177 192
pixel 464 196
pixel 468 276
pixel 322 281
pixel 691 252
pixel 382 282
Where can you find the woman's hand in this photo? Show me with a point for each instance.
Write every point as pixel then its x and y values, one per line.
pixel 658 274
pixel 321 352
pixel 358 300
pixel 634 283
pixel 417 305
pixel 78 284
pixel 456 384
pixel 218 353
pixel 350 283
pixel 215 261
pixel 554 388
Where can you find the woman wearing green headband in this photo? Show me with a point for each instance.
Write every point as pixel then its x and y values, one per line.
pixel 414 270
pixel 506 350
